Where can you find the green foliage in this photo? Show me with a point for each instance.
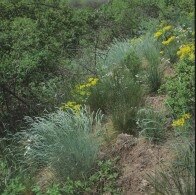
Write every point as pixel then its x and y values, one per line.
pixel 36 189
pixel 152 124
pixel 104 179
pixel 14 187
pixel 75 186
pixel 63 141
pixel 48 47
pixel 98 98
pixel 118 94
pixel 37 39
pixel 53 190
pixel 178 12
pixel 101 180
pixel 179 177
pixel 127 15
pixel 124 100
pixel 180 88
pixel 9 183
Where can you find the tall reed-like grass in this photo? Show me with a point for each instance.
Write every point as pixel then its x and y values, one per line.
pixel 119 91
pixel 179 176
pixel 151 53
pixel 125 100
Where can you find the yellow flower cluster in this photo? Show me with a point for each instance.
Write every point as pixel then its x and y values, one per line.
pixel 168 41
pixel 158 34
pixel 166 28
pixel 71 105
pixel 186 116
pixel 187 51
pixel 162 31
pixel 181 121
pixel 82 89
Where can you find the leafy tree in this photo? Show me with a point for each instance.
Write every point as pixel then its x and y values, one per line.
pixel 37 39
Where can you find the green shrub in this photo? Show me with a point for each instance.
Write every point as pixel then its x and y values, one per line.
pixel 101 180
pixel 177 12
pixel 180 88
pixel 151 124
pixel 66 142
pixel 98 98
pixel 104 178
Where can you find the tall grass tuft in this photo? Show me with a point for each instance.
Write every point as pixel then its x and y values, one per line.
pixel 179 176
pixel 125 100
pixel 151 54
pixel 152 124
pixel 117 51
pixel 66 142
pixel 119 91
pixel 119 95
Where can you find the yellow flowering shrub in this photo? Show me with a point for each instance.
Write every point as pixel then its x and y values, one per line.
pixel 169 40
pixel 183 126
pixel 158 34
pixel 83 89
pixel 162 31
pixel 187 51
pixel 186 116
pixel 71 105
pixel 166 28
pixel 93 81
pixel 181 121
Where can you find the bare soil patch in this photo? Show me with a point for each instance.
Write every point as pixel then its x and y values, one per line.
pixel 137 158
